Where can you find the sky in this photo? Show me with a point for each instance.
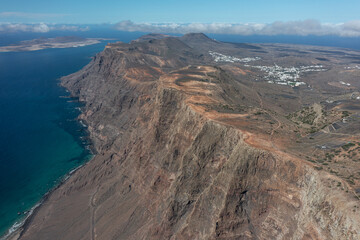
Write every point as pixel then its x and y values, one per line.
pixel 208 15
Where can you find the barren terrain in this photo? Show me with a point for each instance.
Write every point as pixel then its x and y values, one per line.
pixel 199 139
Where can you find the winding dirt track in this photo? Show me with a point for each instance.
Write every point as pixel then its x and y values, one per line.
pixel 92 216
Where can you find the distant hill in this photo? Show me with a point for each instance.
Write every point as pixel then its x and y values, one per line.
pixel 151 36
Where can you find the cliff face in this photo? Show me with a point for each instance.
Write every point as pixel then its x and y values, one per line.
pixel 170 166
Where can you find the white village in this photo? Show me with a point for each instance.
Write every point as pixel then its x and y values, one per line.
pixel 288 76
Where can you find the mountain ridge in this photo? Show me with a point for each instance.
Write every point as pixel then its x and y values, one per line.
pixel 182 153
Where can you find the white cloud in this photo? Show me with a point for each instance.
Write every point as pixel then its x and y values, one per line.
pixel 39 27
pixel 301 28
pixel 42 27
pixel 351 28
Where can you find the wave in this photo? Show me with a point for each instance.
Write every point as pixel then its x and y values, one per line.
pixel 17 225
pixel 82 123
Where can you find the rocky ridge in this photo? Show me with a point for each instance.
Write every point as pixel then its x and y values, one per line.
pixel 173 163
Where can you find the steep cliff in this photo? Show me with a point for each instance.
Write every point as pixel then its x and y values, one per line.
pixel 175 160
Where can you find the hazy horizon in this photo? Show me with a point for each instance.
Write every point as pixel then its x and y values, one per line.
pixel 259 17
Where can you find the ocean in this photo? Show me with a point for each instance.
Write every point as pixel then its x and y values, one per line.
pixel 40 139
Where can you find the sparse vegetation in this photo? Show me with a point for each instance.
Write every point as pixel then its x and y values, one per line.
pixel 347 146
pixel 314 118
pixel 345 114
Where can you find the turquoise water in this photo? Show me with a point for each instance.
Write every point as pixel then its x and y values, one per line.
pixel 40 139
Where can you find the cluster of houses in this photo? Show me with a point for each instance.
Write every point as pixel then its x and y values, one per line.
pixel 218 57
pixel 353 67
pixel 288 76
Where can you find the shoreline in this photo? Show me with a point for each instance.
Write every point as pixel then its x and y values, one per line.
pixel 15 231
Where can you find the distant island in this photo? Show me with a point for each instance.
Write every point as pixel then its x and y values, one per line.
pixel 45 43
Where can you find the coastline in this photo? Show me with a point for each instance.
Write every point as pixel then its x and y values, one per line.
pixel 166 156
pixel 16 229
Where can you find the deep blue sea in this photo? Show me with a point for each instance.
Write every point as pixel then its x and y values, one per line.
pixel 40 139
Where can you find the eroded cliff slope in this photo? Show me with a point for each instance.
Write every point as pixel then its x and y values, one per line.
pixel 180 155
